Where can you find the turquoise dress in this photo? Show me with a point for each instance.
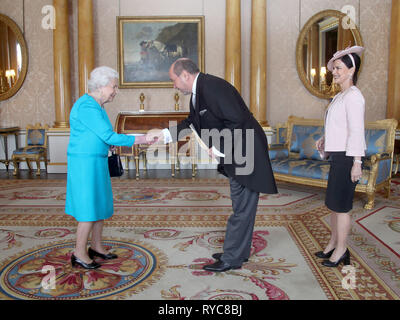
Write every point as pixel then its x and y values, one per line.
pixel 89 194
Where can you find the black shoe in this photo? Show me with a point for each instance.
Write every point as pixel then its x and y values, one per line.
pixel 92 253
pixel 220 266
pixel 322 255
pixel 75 260
pixel 217 256
pixel 345 258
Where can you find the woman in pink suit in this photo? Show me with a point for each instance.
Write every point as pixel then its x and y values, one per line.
pixel 344 144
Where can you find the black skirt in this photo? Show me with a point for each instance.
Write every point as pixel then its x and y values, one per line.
pixel 340 191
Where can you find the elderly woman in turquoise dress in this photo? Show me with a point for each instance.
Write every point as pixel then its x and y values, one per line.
pixel 89 195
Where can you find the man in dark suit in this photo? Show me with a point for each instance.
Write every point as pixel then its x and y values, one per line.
pixel 216 105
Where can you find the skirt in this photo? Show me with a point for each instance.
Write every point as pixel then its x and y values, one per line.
pixel 89 191
pixel 340 190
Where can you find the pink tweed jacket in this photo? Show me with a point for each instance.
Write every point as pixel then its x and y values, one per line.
pixel 344 123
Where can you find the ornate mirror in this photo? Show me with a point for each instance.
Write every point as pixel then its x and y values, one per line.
pixel 323 34
pixel 13 58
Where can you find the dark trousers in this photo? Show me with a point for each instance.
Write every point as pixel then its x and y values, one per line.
pixel 239 230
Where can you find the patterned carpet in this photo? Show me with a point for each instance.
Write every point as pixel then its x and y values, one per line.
pixel 164 231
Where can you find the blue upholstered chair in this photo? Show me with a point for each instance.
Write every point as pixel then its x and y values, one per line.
pixel 281 133
pixel 298 161
pixel 34 150
pixel 279 148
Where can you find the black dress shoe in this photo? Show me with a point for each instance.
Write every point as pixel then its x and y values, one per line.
pixel 217 256
pixel 75 261
pixel 345 258
pixel 92 253
pixel 220 266
pixel 322 255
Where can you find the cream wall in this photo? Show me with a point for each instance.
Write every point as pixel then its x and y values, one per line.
pixel 35 101
pixel 285 93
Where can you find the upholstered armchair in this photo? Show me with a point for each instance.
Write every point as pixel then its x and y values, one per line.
pixel 35 148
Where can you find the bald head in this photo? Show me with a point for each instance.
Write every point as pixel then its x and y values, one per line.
pixel 184 64
pixel 182 73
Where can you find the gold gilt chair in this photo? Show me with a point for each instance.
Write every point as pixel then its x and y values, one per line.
pixel 35 148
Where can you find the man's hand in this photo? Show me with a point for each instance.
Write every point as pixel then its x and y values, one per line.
pixel 211 153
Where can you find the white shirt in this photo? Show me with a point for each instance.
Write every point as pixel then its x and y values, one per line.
pixel 194 91
pixel 167 134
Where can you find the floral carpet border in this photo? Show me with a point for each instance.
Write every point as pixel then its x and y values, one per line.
pixel 309 231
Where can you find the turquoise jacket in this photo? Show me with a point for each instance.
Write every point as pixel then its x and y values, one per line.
pixel 89 193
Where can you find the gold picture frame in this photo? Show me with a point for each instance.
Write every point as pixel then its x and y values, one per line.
pixel 147 46
pixel 16 55
pixel 304 46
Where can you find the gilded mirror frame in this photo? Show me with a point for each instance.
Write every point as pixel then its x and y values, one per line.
pixel 299 49
pixel 24 55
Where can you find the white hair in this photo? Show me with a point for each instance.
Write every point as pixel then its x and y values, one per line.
pixel 101 77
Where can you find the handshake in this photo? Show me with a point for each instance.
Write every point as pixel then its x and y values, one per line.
pixel 153 136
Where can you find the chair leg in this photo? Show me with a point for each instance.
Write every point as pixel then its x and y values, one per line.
pixel 371 200
pixel 137 167
pixel 28 163
pixel 45 163
pixel 144 162
pixel 16 166
pixel 193 169
pixel 127 162
pixel 38 168
pixel 193 156
pixel 173 152
pixel 387 190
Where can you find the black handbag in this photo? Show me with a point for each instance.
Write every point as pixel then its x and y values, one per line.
pixel 115 165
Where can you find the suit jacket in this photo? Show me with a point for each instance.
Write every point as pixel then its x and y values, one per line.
pixel 221 109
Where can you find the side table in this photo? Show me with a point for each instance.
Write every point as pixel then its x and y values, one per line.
pixel 5 132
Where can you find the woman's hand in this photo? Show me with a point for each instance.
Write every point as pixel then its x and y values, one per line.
pixel 356 172
pixel 154 135
pixel 150 137
pixel 320 144
pixel 113 148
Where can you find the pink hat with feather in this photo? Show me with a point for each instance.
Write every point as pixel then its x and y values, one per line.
pixel 354 49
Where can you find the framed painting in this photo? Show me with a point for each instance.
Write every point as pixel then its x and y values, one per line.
pixel 147 46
